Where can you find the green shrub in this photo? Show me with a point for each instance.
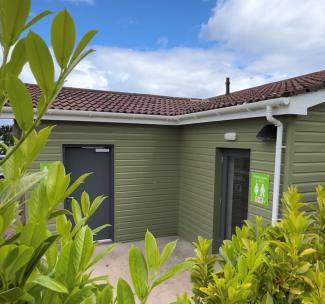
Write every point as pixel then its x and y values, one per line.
pixel 262 263
pixel 39 264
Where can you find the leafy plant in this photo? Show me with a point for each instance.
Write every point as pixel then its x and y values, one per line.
pixel 266 264
pixel 203 268
pixel 44 257
pixel 145 270
pixel 6 138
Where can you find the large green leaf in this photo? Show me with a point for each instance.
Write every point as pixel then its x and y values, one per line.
pixel 49 283
pixel 76 211
pixel 21 102
pixel 105 296
pixel 124 293
pixel 83 43
pixel 14 191
pixel 63 35
pixel 57 183
pixel 152 251
pixel 38 254
pixel 139 272
pixel 13 15
pixel 10 295
pixel 83 248
pixel 36 18
pixel 18 58
pixel 40 62
pixel 178 268
pixel 102 254
pixel 167 252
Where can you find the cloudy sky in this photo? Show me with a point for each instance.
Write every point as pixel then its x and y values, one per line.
pixel 188 47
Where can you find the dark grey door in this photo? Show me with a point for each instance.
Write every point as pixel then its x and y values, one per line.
pixel 98 160
pixel 234 191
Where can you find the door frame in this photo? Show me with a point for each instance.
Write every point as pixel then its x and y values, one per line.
pixel 111 185
pixel 221 187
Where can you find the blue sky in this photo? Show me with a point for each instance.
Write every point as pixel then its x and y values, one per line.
pixel 188 47
pixel 139 24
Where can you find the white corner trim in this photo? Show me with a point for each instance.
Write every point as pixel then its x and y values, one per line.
pixel 295 105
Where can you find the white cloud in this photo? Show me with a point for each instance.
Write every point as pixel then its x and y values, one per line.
pixel 262 41
pixel 163 41
pixel 268 25
pixel 177 72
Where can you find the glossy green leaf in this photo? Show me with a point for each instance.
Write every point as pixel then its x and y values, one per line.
pixel 139 272
pixel 18 58
pixel 167 252
pixel 49 283
pixel 102 254
pixel 36 18
pixel 85 202
pixel 171 272
pixel 13 15
pixel 11 295
pixel 100 228
pixel 83 248
pixel 95 204
pixel 105 296
pixel 57 213
pixel 83 43
pixel 76 211
pixel 152 251
pixel 124 293
pixel 38 254
pixel 40 62
pixel 63 35
pixel 80 180
pixel 21 102
pixel 267 299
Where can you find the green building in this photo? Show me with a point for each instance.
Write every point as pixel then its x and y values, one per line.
pixel 190 166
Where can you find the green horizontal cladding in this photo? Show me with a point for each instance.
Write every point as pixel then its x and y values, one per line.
pixel 167 178
pixel 200 180
pixel 145 167
pixel 307 155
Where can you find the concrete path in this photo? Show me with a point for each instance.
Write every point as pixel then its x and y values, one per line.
pixel 116 265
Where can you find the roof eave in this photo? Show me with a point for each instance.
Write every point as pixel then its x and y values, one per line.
pixel 294 105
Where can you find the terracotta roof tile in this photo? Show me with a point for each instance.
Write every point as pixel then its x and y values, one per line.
pixel 119 102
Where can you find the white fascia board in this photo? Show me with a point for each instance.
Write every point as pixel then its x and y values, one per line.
pixel 295 105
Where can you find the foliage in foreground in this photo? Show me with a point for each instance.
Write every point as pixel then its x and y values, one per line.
pixel 267 264
pixel 44 258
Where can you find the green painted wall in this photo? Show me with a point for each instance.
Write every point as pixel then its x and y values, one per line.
pixel 306 161
pixel 200 178
pixel 146 172
pixel 166 178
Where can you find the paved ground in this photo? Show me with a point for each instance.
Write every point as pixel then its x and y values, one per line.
pixel 116 265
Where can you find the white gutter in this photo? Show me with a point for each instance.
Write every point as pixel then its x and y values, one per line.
pixel 247 110
pixel 295 105
pixel 277 166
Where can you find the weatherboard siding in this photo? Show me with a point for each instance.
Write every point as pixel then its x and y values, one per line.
pixel 167 178
pixel 145 172
pixel 200 180
pixel 307 161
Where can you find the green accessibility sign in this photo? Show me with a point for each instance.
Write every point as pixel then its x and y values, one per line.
pixel 259 188
pixel 44 167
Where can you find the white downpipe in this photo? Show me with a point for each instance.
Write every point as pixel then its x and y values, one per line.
pixel 277 166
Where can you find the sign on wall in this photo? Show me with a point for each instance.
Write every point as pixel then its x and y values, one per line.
pixel 44 167
pixel 259 188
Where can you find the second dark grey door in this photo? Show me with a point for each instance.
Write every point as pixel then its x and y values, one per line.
pixel 98 160
pixel 234 191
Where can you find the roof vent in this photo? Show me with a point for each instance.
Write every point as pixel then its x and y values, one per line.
pixel 227 86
